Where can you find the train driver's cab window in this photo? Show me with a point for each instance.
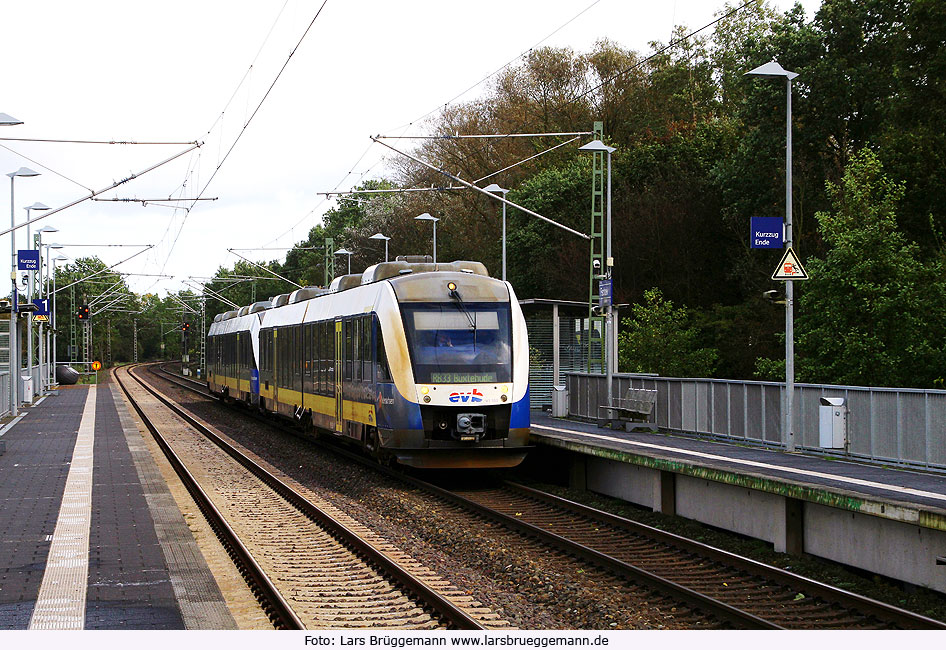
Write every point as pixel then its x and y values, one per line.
pixel 452 343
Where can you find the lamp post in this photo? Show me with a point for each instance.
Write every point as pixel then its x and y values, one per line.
pixel 25 172
pixel 496 189
pixel 428 217
pixel 58 258
pixel 8 120
pixel 29 292
pixel 379 236
pixel 344 251
pixel 44 290
pixel 772 70
pixel 595 146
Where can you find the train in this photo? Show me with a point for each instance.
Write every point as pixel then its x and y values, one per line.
pixel 417 363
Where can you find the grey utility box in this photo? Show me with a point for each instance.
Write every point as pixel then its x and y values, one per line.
pixel 559 402
pixel 832 423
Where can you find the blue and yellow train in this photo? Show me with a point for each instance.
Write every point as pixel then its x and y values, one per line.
pixel 426 364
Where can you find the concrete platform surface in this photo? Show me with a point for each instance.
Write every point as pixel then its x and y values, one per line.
pixel 883 491
pixel 90 537
pixel 882 519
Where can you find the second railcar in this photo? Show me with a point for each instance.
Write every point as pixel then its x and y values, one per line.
pixel 424 363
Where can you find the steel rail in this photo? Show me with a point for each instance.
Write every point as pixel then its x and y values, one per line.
pixel 641 576
pixel 418 587
pixel 863 604
pixel 703 602
pixel 279 611
pixel 866 606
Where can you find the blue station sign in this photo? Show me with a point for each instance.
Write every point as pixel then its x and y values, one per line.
pixel 42 307
pixel 27 260
pixel 766 232
pixel 604 293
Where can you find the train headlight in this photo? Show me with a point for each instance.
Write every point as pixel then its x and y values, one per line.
pixel 452 286
pixel 426 399
pixel 424 390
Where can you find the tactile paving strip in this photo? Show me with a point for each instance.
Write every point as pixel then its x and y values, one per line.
pixel 60 604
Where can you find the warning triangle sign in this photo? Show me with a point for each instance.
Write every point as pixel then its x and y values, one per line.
pixel 790 268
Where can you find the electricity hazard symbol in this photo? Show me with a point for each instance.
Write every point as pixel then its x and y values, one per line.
pixel 790 268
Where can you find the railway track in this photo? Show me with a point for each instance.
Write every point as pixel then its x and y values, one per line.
pixel 738 590
pixel 309 564
pixel 753 594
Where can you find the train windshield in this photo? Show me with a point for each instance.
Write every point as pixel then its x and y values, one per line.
pixel 454 343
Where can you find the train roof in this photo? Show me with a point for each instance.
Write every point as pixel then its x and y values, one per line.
pixel 376 273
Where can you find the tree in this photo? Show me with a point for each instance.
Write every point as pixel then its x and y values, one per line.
pixel 660 338
pixel 874 312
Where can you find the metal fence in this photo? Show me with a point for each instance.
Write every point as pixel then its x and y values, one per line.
pixel 4 393
pixel 891 425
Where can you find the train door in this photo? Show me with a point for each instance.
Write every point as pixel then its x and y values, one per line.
pixel 339 348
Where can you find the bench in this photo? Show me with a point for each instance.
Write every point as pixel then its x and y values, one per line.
pixel 634 410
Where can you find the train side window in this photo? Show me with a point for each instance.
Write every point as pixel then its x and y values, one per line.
pixel 281 341
pixel 366 347
pixel 312 336
pixel 328 356
pixel 347 331
pixel 290 356
pixel 356 350
pixel 296 357
pixel 306 350
pixel 317 357
pixel 321 328
pixel 384 373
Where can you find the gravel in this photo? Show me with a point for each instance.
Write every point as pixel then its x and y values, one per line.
pixel 528 584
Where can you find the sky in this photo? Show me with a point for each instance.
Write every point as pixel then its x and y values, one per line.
pixel 176 72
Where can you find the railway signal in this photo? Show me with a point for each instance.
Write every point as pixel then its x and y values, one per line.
pixel 82 313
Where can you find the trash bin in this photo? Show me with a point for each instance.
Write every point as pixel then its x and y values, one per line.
pixel 559 402
pixel 26 385
pixel 832 423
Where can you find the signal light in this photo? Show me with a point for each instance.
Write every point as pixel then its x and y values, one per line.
pixel 82 313
pixel 185 327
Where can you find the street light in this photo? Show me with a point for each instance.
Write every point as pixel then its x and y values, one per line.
pixel 496 189
pixel 58 258
pixel 772 70
pixel 343 251
pixel 29 293
pixel 379 236
pixel 598 146
pixel 25 172
pixel 44 290
pixel 7 120
pixel 428 217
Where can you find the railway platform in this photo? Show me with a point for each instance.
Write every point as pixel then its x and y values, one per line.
pixel 882 519
pixel 90 535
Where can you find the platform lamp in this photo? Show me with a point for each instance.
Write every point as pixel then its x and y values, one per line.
pixel 57 259
pixel 44 335
pixel 496 189
pixel 772 70
pixel 29 292
pixel 345 251
pixel 428 217
pixel 599 146
pixel 24 172
pixel 379 237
